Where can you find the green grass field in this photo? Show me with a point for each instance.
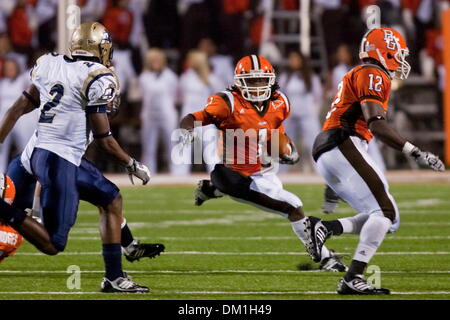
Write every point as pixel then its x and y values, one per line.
pixel 227 250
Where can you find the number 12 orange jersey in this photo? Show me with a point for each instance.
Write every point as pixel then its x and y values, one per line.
pixel 367 82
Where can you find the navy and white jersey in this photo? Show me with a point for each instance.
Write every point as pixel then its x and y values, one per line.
pixel 69 90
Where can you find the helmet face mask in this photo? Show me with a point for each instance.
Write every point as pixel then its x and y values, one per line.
pixel 254 77
pixel 255 87
pixel 91 39
pixel 404 67
pixel 388 47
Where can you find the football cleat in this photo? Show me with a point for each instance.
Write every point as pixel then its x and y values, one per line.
pixel 319 234
pixel 123 285
pixel 331 201
pixel 358 285
pixel 205 191
pixel 333 263
pixel 309 245
pixel 137 250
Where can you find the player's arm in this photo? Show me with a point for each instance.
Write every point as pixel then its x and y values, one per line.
pixel 376 120
pixel 375 116
pixel 187 123
pixel 102 134
pixel 27 102
pixel 101 89
pixel 215 111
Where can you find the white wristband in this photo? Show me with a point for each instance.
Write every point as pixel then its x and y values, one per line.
pixel 130 163
pixel 408 148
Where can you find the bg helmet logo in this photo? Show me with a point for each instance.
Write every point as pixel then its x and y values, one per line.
pixel 391 41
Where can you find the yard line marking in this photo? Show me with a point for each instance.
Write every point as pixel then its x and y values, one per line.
pixel 210 271
pixel 92 228
pixel 240 253
pixel 346 237
pixel 214 292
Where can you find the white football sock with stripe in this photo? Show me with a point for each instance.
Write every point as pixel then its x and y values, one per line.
pixel 371 237
pixel 354 224
pixel 299 229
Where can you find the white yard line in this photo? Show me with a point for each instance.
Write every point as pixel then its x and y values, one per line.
pixel 213 293
pixel 236 220
pixel 211 271
pixel 277 238
pixel 221 253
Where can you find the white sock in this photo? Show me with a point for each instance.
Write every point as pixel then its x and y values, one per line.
pixel 325 253
pixel 355 223
pixel 299 229
pixel 371 237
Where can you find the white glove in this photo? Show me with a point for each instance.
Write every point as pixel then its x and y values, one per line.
pixel 135 168
pixel 423 158
pixel 187 137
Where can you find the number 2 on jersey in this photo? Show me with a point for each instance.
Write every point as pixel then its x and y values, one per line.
pixel 337 100
pixel 57 91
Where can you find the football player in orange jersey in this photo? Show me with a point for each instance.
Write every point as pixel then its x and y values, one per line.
pixel 340 150
pixel 10 239
pixel 248 114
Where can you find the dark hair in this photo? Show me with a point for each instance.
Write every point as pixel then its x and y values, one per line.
pixel 273 89
pixel 305 71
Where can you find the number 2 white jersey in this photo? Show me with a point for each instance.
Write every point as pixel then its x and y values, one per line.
pixel 69 90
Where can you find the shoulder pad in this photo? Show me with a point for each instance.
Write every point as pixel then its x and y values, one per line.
pixel 285 98
pixel 95 75
pixel 228 97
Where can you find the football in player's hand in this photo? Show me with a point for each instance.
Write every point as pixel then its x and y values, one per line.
pixel 283 145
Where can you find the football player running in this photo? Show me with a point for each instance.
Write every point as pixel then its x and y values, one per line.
pixel 254 107
pixel 92 185
pixel 357 114
pixel 73 94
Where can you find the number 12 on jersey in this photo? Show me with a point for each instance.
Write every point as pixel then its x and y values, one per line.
pixel 57 91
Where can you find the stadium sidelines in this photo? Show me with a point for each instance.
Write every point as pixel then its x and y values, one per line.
pixel 394 176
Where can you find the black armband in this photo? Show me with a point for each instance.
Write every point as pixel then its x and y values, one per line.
pixel 96 109
pixel 375 118
pixel 30 98
pixel 102 135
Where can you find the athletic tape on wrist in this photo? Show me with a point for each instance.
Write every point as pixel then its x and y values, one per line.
pixel 408 147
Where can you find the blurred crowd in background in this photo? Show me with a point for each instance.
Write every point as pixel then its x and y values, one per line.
pixel 170 55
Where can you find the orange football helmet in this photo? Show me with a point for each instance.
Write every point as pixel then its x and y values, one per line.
pixel 7 189
pixel 388 47
pixel 254 76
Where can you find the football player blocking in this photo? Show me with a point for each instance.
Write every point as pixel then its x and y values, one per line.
pixel 340 150
pixel 256 107
pixel 73 90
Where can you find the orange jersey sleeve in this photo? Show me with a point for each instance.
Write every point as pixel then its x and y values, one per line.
pixel 372 84
pixel 215 111
pixel 10 240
